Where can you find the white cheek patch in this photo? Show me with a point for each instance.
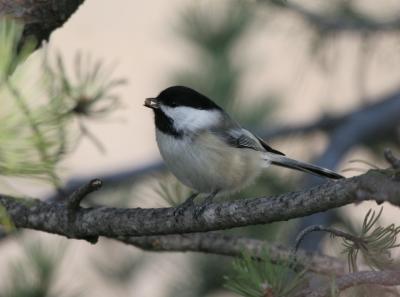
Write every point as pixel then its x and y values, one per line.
pixel 192 119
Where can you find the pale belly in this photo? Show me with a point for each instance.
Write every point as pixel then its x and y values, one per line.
pixel 208 168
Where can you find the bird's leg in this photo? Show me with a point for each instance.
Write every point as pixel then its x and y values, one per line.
pixel 180 209
pixel 207 201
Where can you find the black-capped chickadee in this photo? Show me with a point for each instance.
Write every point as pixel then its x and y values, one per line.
pixel 207 150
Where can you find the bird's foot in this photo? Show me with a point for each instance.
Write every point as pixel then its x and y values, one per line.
pixel 181 208
pixel 199 210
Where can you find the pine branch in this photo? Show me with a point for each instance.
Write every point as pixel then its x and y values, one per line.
pixel 380 117
pixel 381 278
pixel 229 245
pixel 351 20
pixel 378 185
pixel 40 18
pixel 40 140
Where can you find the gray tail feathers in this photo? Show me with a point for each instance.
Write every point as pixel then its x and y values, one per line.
pixel 284 161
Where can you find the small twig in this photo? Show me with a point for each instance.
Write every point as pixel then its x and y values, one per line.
pixel 392 159
pixel 73 204
pixel 332 231
pixel 76 197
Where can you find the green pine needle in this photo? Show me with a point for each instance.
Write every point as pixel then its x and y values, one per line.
pixel 376 243
pixel 40 106
pixel 257 278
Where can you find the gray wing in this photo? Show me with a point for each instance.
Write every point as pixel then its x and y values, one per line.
pixel 238 137
pixel 241 138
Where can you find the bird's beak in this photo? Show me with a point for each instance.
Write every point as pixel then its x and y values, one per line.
pixel 152 103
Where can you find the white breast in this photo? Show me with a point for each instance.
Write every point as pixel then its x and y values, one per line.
pixel 206 164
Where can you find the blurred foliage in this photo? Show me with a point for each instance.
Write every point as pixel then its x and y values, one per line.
pixel 213 37
pixel 373 247
pixel 30 153
pixel 89 92
pixel 260 277
pixel 11 56
pixel 329 25
pixel 41 102
pixel 124 265
pixel 35 276
pixel 216 69
pixel 205 279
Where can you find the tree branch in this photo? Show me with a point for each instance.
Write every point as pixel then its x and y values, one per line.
pixel 223 244
pixel 381 278
pixel 326 123
pixel 40 18
pixel 381 115
pixel 379 185
pixel 374 122
pixel 371 124
pixel 348 19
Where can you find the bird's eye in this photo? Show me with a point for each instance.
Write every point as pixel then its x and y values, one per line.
pixel 173 104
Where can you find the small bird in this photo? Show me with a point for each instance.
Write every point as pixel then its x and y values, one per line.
pixel 207 150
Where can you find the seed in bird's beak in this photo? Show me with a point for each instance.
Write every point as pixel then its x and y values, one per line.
pixel 152 103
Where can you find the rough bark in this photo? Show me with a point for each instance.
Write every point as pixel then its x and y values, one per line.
pixel 379 185
pixel 223 244
pixel 40 18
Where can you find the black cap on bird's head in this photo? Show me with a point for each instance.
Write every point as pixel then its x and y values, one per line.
pixel 176 96
pixel 179 110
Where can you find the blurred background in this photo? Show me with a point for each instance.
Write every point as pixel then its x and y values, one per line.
pixel 319 81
